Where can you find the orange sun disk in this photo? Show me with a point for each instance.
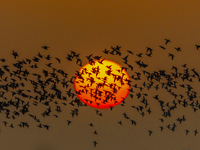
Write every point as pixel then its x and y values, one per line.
pixel 102 84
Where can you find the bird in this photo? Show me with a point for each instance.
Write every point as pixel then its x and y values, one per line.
pixel 48 57
pixel 11 125
pixel 195 132
pixel 187 131
pixel 162 47
pixel 161 128
pixel 46 126
pixel 148 110
pixel 3 60
pixel 178 49
pixel 149 50
pixel 120 122
pixel 14 54
pixel 40 125
pixel 5 123
pixel 133 122
pixel 197 46
pixel 171 55
pixel 57 59
pixel 139 55
pixel 45 47
pixel 130 52
pixel 95 143
pixel 150 132
pixel 167 41
pixel 106 51
pixel 95 132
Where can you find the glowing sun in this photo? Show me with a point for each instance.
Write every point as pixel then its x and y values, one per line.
pixel 102 83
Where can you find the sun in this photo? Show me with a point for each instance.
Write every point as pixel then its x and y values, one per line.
pixel 102 84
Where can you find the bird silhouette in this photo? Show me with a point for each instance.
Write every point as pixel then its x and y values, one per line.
pixel 95 143
pixel 167 41
pixel 197 46
pixel 150 132
pixel 45 47
pixel 187 131
pixel 95 132
pixel 14 54
pixel 195 132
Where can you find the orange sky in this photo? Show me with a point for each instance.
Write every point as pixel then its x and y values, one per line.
pixel 89 27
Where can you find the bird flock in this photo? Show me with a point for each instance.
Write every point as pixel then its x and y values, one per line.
pixel 31 82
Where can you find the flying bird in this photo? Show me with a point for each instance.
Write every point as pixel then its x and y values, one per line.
pixel 130 52
pixel 178 49
pixel 187 131
pixel 195 132
pixel 171 55
pixel 162 47
pixel 197 46
pixel 45 47
pixel 95 143
pixel 14 54
pixel 150 132
pixel 167 41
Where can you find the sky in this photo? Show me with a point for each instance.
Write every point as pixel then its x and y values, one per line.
pixel 89 27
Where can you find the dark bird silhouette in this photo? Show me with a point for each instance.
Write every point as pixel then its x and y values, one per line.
pixel 150 132
pixel 150 54
pixel 3 60
pixel 69 57
pixel 106 51
pixel 14 54
pixel 139 55
pixel 40 125
pixel 68 122
pixel 168 126
pixel 95 132
pixel 39 55
pixel 35 59
pixel 171 55
pixel 162 47
pixel 197 46
pixel 167 41
pixel 48 57
pixel 130 52
pixel 187 131
pixel 178 49
pixel 120 122
pixel 95 143
pixel 97 57
pixel 89 57
pixel 148 110
pixel 161 128
pixel 149 50
pixel 57 59
pixel 184 65
pixel 130 66
pixel 45 47
pixel 183 118
pixel 125 59
pixel 133 122
pixel 46 126
pixel 5 123
pixel 195 132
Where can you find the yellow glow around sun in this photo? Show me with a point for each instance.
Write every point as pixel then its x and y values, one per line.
pixel 102 84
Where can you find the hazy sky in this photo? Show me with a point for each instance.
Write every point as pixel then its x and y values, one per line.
pixel 88 27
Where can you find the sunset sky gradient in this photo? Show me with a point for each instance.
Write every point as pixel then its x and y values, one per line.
pixel 88 27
